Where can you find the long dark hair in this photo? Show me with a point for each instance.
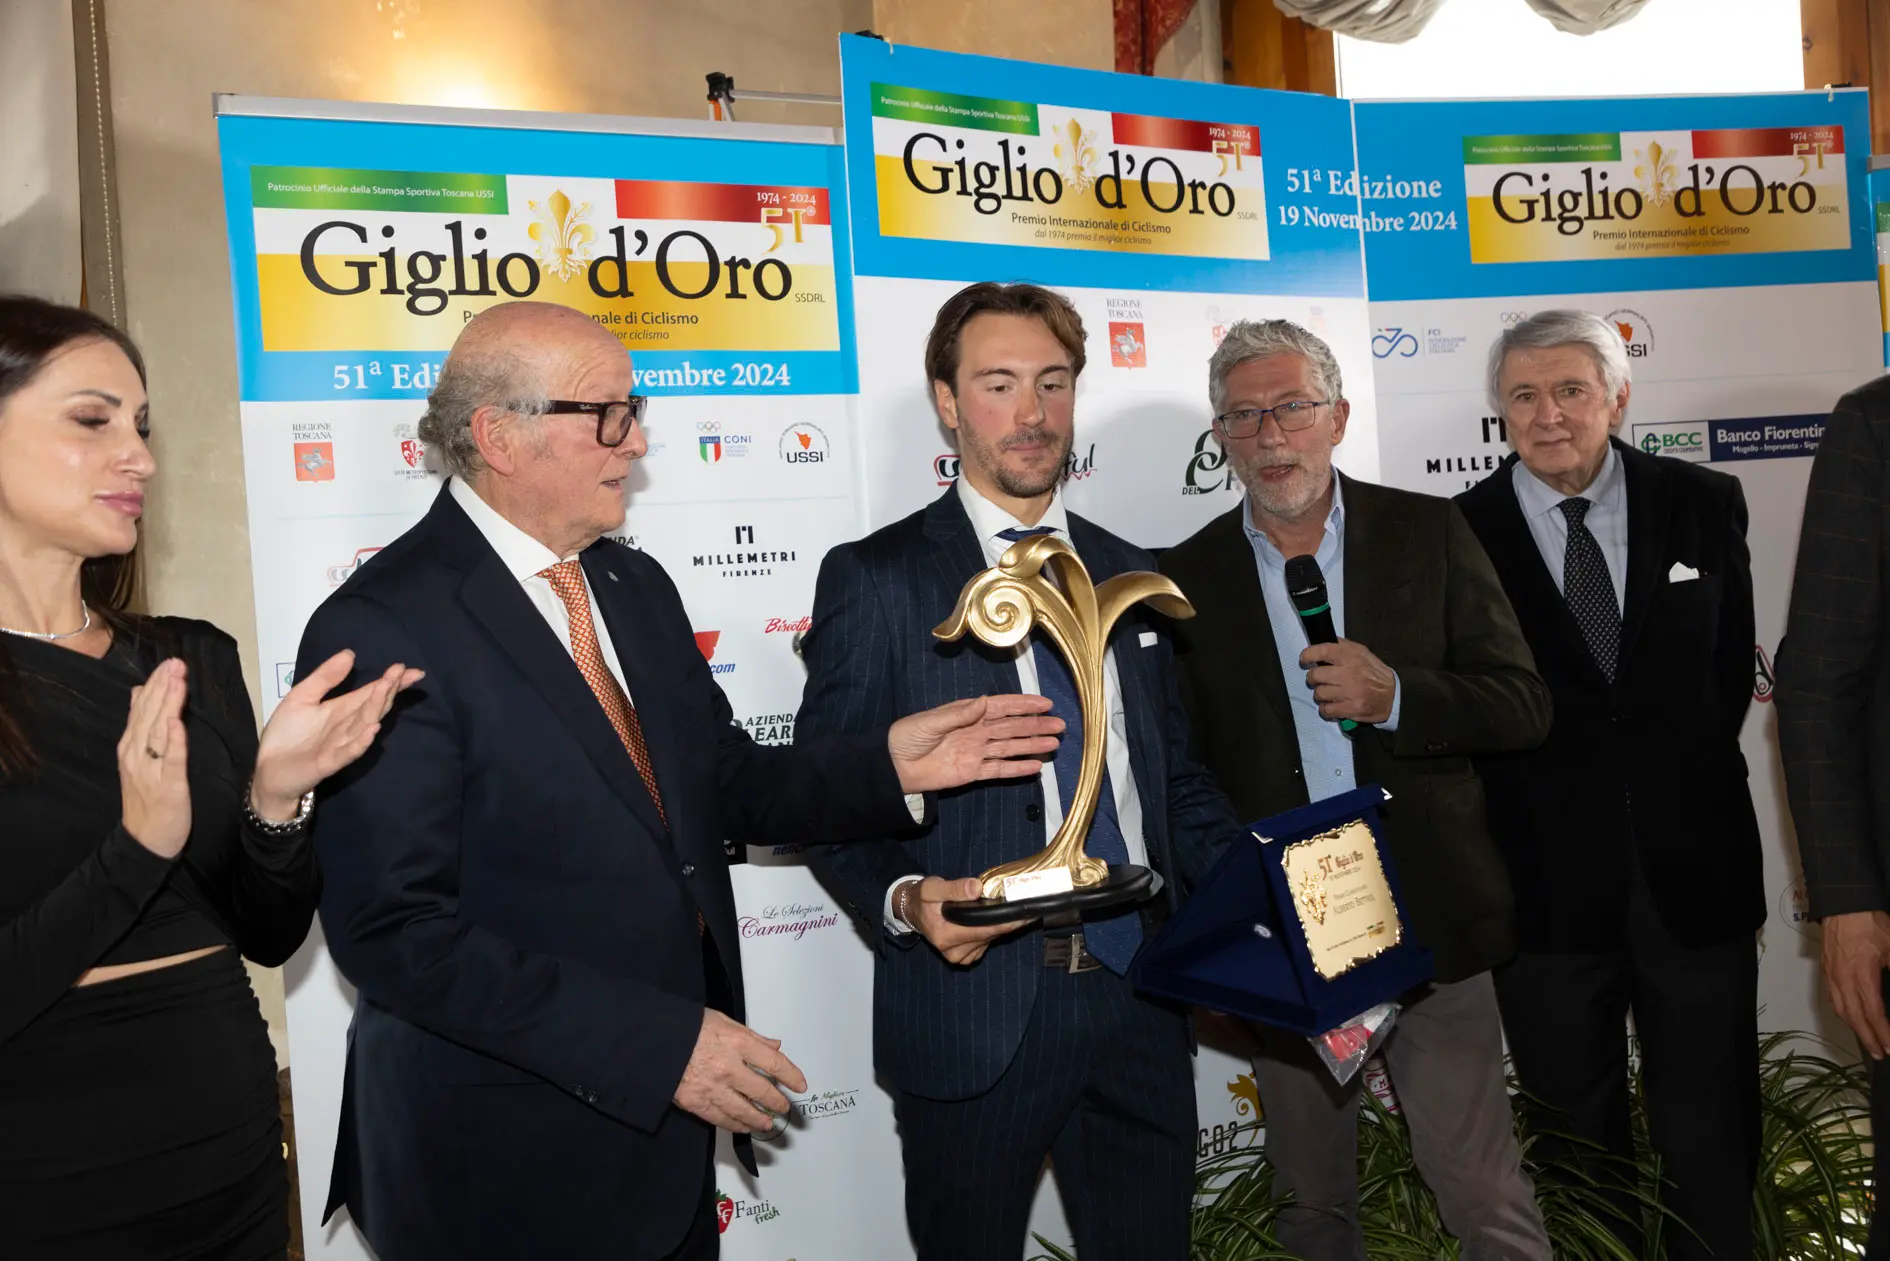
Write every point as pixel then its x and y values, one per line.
pixel 32 331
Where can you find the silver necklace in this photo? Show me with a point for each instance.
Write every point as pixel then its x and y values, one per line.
pixel 71 634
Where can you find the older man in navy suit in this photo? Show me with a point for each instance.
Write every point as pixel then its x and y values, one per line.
pixel 526 879
pixel 1010 1043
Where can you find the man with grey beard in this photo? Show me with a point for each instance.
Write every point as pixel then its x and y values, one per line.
pixel 1430 669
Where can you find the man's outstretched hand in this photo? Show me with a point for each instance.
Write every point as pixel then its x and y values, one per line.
pixel 983 737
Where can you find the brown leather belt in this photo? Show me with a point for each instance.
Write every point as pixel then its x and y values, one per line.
pixel 1068 953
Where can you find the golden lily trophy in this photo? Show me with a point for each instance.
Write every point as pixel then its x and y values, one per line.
pixel 1040 581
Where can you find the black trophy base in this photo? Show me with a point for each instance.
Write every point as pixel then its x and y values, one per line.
pixel 1124 883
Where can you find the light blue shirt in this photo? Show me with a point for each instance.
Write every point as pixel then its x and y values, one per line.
pixel 1325 752
pixel 1606 519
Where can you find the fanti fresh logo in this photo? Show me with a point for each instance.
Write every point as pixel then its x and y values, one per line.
pixel 728 1211
pixel 1637 332
pixel 1682 439
pixel 1764 682
pixel 945 468
pixel 1128 344
pixel 1208 469
pixel 803 444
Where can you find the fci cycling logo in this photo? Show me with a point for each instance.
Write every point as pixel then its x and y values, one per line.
pixel 1389 342
pixel 1683 439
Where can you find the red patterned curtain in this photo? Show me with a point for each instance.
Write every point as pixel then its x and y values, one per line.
pixel 1142 27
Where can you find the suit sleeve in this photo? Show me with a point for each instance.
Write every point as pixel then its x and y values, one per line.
pixel 1828 664
pixel 1488 698
pixel 836 787
pixel 1202 818
pixel 388 833
pixel 848 652
pixel 1732 668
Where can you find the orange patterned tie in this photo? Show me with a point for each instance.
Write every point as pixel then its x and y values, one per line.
pixel 567 579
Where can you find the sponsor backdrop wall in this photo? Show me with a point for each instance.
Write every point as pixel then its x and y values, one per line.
pixel 1729 239
pixel 1165 210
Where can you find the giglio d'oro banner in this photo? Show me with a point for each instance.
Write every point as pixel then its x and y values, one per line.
pixel 950 167
pixel 740 276
pixel 1652 194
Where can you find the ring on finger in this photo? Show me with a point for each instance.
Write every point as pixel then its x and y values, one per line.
pixel 152 753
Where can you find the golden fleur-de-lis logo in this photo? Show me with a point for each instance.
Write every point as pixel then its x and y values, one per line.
pixel 1075 151
pixel 1246 1097
pixel 1311 896
pixel 564 239
pixel 1656 171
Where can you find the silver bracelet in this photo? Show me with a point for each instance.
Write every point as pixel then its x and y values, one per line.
pixel 269 827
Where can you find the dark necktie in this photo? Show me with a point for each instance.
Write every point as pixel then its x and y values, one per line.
pixel 1589 590
pixel 1113 941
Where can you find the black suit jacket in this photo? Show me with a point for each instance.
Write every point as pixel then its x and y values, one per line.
pixel 521 926
pixel 1833 692
pixel 1419 593
pixel 1651 759
pixel 940 1031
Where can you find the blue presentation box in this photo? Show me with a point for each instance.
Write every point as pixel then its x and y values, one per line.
pixel 1239 944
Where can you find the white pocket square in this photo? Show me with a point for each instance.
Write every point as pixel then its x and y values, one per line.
pixel 1682 573
pixel 1148 639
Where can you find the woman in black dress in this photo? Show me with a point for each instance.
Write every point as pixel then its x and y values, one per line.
pixel 147 841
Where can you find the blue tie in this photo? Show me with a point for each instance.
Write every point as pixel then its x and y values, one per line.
pixel 1113 941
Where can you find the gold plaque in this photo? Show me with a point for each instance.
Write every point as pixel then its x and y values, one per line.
pixel 1342 898
pixel 1040 581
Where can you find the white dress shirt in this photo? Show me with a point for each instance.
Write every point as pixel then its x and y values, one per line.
pixel 1541 506
pixel 987 521
pixel 524 557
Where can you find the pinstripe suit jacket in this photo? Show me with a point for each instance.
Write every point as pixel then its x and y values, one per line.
pixel 1833 692
pixel 940 1031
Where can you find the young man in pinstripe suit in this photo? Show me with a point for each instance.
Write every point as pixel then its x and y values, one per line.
pixel 1006 1045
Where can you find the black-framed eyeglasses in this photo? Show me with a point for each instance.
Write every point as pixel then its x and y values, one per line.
pixel 614 420
pixel 1291 418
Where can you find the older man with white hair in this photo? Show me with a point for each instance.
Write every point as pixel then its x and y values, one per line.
pixel 1630 833
pixel 526 880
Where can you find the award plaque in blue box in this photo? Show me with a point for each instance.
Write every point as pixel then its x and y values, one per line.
pixel 1299 925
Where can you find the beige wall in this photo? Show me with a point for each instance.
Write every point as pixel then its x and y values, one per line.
pixel 1061 32
pixel 39 151
pixel 643 57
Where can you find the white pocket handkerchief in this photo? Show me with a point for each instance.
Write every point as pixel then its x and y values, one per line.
pixel 1682 573
pixel 1148 639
